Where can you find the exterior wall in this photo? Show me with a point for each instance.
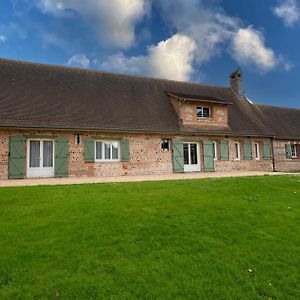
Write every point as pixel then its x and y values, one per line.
pixel 283 164
pixel 244 165
pixel 187 113
pixel 146 156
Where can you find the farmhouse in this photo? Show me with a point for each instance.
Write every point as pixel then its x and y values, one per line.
pixel 58 121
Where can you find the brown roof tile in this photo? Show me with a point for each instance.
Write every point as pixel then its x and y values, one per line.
pixel 42 96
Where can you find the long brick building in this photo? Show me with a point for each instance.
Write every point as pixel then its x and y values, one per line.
pixel 57 121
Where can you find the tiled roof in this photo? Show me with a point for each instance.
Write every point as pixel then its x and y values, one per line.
pixel 42 96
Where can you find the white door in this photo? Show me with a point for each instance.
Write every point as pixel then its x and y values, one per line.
pixel 40 158
pixel 191 157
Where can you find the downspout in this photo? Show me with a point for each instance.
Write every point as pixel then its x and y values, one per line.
pixel 273 157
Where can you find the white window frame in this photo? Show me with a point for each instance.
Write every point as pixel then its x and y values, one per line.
pixel 237 155
pixel 215 150
pixel 201 109
pixel 293 151
pixel 103 151
pixel 257 151
pixel 169 145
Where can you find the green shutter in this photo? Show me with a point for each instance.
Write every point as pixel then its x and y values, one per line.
pixel 208 156
pixel 125 151
pixel 89 150
pixel 288 150
pixel 247 150
pixel 224 150
pixel 177 150
pixel 16 158
pixel 61 157
pixel 266 150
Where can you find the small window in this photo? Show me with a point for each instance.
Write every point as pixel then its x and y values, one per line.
pixel 203 112
pixel 107 150
pixel 257 154
pixel 215 151
pixel 165 145
pixel 293 150
pixel 77 139
pixel 237 154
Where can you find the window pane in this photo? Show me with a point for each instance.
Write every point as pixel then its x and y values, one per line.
pixel 48 154
pixel 115 150
pixel 107 151
pixel 293 148
pixel 199 112
pixel 98 150
pixel 214 150
pixel 193 154
pixel 236 150
pixel 205 112
pixel 165 145
pixel 34 159
pixel 186 153
pixel 256 151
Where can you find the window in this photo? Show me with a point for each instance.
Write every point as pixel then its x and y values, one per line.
pixel 257 154
pixel 77 139
pixel 293 150
pixel 203 112
pixel 165 145
pixel 107 150
pixel 237 154
pixel 215 153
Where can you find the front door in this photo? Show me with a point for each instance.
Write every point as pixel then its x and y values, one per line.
pixel 40 158
pixel 191 157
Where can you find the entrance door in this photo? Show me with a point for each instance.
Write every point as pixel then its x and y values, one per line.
pixel 40 158
pixel 191 157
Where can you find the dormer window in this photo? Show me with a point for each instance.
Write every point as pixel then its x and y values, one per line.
pixel 203 112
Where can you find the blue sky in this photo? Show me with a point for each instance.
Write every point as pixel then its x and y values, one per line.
pixel 192 40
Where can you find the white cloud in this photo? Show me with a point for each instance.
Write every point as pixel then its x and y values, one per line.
pixel 206 24
pixel 248 47
pixel 113 20
pixel 79 60
pixel 3 38
pixel 288 11
pixel 171 59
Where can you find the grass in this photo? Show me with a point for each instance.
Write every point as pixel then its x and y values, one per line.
pixel 234 238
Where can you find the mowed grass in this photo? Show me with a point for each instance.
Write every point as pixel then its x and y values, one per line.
pixel 234 238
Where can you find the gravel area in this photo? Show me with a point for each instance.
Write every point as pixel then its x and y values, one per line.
pixel 83 180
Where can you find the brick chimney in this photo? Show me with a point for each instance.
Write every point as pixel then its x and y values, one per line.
pixel 236 82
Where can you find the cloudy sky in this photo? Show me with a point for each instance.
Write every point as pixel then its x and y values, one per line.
pixel 192 40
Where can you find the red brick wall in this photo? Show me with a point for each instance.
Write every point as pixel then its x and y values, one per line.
pixel 282 163
pixel 146 156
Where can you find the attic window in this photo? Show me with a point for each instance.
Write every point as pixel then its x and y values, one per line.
pixel 203 112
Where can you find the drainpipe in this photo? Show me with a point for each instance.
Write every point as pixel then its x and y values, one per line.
pixel 273 157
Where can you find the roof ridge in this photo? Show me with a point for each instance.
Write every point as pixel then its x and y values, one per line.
pixel 276 106
pixel 99 72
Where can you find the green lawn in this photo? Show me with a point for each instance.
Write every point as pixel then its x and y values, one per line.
pixel 234 238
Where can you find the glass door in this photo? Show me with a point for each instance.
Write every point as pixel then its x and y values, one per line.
pixel 40 158
pixel 191 157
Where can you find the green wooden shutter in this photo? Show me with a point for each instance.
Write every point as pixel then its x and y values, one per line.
pixel 266 150
pixel 89 150
pixel 288 151
pixel 208 156
pixel 61 157
pixel 177 150
pixel 125 151
pixel 16 158
pixel 247 150
pixel 224 150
